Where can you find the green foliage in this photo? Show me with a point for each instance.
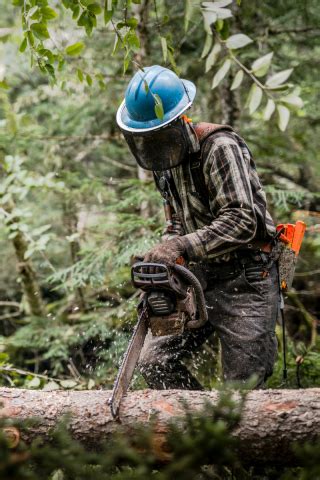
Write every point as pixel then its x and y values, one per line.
pixel 223 53
pixel 122 15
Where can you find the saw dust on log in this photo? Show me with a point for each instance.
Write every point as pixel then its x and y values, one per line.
pixel 272 420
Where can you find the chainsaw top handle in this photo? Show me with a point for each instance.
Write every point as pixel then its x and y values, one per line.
pixel 192 280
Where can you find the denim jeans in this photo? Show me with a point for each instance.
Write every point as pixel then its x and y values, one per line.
pixel 242 297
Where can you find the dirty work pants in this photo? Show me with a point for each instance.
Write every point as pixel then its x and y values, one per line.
pixel 242 305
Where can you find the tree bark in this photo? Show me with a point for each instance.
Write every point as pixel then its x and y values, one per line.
pixel 30 285
pixel 272 420
pixel 70 220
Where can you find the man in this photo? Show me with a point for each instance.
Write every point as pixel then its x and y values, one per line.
pixel 220 226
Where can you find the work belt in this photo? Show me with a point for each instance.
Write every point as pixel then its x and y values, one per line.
pixel 257 252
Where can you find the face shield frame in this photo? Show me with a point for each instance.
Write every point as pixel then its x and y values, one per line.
pixel 161 148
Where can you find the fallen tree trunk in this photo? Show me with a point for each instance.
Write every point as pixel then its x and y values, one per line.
pixel 272 420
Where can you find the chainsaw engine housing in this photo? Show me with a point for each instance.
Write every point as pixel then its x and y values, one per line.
pixel 170 301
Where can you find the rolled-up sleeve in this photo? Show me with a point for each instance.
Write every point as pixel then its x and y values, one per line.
pixel 231 202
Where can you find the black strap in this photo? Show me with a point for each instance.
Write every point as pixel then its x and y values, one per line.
pixel 166 186
pixel 196 169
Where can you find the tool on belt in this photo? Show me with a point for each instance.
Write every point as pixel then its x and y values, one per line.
pixel 172 301
pixel 290 237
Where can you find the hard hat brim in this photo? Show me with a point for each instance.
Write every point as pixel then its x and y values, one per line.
pixel 126 123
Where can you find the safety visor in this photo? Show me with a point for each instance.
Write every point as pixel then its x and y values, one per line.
pixel 159 149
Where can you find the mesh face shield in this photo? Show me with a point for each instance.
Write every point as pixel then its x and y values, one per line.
pixel 160 149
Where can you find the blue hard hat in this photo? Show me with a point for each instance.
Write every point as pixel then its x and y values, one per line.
pixel 137 111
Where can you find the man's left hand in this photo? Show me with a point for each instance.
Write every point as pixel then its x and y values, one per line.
pixel 166 252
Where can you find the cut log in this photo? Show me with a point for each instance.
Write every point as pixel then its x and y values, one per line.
pixel 272 420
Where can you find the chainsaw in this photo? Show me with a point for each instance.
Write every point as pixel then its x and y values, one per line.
pixel 172 301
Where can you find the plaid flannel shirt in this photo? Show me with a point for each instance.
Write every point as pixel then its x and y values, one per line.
pixel 236 213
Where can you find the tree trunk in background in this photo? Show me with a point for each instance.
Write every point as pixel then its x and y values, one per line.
pixel 31 288
pixel 142 13
pixel 229 99
pixel 230 112
pixel 272 420
pixel 70 221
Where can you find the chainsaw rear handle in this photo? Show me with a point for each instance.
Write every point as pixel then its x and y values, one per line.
pixel 192 280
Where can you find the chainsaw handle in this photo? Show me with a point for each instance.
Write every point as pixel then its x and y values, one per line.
pixel 192 280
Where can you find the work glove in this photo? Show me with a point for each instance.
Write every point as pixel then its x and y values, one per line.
pixel 166 252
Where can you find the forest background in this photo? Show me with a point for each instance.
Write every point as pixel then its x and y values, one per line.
pixel 74 207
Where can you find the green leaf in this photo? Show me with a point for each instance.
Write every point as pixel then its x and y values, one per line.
pixel 23 45
pixel 68 383
pixel 86 3
pixel 158 108
pixel 207 46
pixel 4 85
pixel 283 117
pixel 219 4
pixel 50 69
pixel 34 383
pixel 40 31
pixel 261 65
pixel 146 86
pixel 30 38
pixel 221 73
pixel 48 13
pixel 83 19
pixel 51 386
pixel 126 62
pixel 293 100
pixel 164 47
pixel 61 64
pixel 255 97
pixel 132 39
pixel 237 80
pixel 239 40
pixel 212 57
pixel 80 75
pixel 270 108
pixel 91 384
pixel 117 43
pixel 279 78
pixel 219 24
pixel 75 12
pixel 209 18
pixel 132 22
pixel 89 79
pixel 280 88
pixel 215 8
pixel 107 16
pixel 75 49
pixel 95 8
pixel 58 474
pixel 188 13
pixel 108 10
pixel 32 11
pixel 172 60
